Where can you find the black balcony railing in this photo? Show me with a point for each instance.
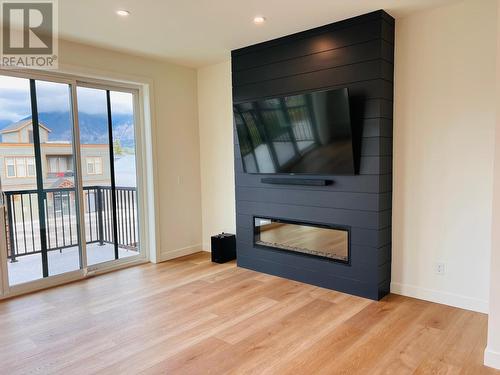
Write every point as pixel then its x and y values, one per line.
pixel 23 230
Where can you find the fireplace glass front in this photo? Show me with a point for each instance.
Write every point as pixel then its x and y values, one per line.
pixel 306 238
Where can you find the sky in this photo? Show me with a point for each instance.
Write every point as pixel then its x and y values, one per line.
pixel 54 97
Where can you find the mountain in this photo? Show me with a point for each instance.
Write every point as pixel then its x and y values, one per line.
pixel 93 127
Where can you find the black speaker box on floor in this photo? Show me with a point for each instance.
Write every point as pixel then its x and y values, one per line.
pixel 223 247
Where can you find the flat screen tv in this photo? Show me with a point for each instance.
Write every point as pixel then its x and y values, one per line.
pixel 298 134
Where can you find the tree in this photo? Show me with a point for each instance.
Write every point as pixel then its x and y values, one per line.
pixel 117 147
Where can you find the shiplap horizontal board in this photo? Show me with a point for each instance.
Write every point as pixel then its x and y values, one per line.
pixel 384 287
pixel 297 273
pixel 384 254
pixel 377 127
pixel 356 54
pixel 387 51
pixel 362 259
pixel 334 216
pixel 375 165
pixel 383 270
pixel 310 42
pixel 388 32
pixel 319 60
pixel 320 198
pixel 381 146
pixel 371 89
pixel 341 76
pixel 373 108
pixel 356 270
pixel 295 39
pixel 307 45
pixel 355 184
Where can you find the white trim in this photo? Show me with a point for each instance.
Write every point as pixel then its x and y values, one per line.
pixel 147 161
pixel 492 358
pixel 77 166
pixel 115 265
pixel 437 296
pixel 43 283
pixel 66 278
pixel 4 276
pixel 172 254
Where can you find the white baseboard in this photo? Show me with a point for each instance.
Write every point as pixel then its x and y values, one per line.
pixel 172 254
pixel 206 247
pixel 445 298
pixel 492 358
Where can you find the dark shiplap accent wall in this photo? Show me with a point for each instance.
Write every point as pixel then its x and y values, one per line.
pixel 357 53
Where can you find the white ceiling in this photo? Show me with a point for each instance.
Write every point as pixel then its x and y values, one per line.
pixel 202 32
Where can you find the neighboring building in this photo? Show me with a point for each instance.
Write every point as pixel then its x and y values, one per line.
pixel 17 160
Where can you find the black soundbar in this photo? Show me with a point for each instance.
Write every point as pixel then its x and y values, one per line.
pixel 296 181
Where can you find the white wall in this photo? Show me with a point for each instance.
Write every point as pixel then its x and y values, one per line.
pixel 492 354
pixel 215 118
pixel 443 153
pixel 175 131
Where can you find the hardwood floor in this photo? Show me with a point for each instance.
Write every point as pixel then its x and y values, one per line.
pixel 189 316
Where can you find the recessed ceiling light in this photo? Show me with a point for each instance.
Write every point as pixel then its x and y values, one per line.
pixel 258 20
pixel 123 12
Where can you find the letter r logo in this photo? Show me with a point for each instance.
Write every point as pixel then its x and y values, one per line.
pixel 27 27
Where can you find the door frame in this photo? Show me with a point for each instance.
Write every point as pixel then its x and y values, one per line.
pixel 91 269
pixel 4 277
pixel 145 176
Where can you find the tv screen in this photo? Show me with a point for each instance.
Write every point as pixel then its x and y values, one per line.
pixel 299 134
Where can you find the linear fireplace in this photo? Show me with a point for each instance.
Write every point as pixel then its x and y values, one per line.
pixel 312 239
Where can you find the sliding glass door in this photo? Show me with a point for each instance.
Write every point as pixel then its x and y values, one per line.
pixel 96 174
pixel 19 182
pixel 67 156
pixel 107 146
pixel 55 161
pixel 38 181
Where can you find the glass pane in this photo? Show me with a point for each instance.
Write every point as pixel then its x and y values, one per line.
pixel 25 261
pixel 94 139
pixel 56 133
pixel 303 238
pixel 56 144
pixel 122 113
pixel 18 182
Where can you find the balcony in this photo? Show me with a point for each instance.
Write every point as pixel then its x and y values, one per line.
pixel 62 234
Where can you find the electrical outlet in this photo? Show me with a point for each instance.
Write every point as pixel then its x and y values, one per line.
pixel 440 268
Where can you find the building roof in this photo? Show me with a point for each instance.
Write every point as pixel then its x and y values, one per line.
pixel 16 126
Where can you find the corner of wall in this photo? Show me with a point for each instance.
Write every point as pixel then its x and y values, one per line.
pixel 214 101
pixel 491 358
pixel 172 254
pixel 492 352
pixel 439 296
